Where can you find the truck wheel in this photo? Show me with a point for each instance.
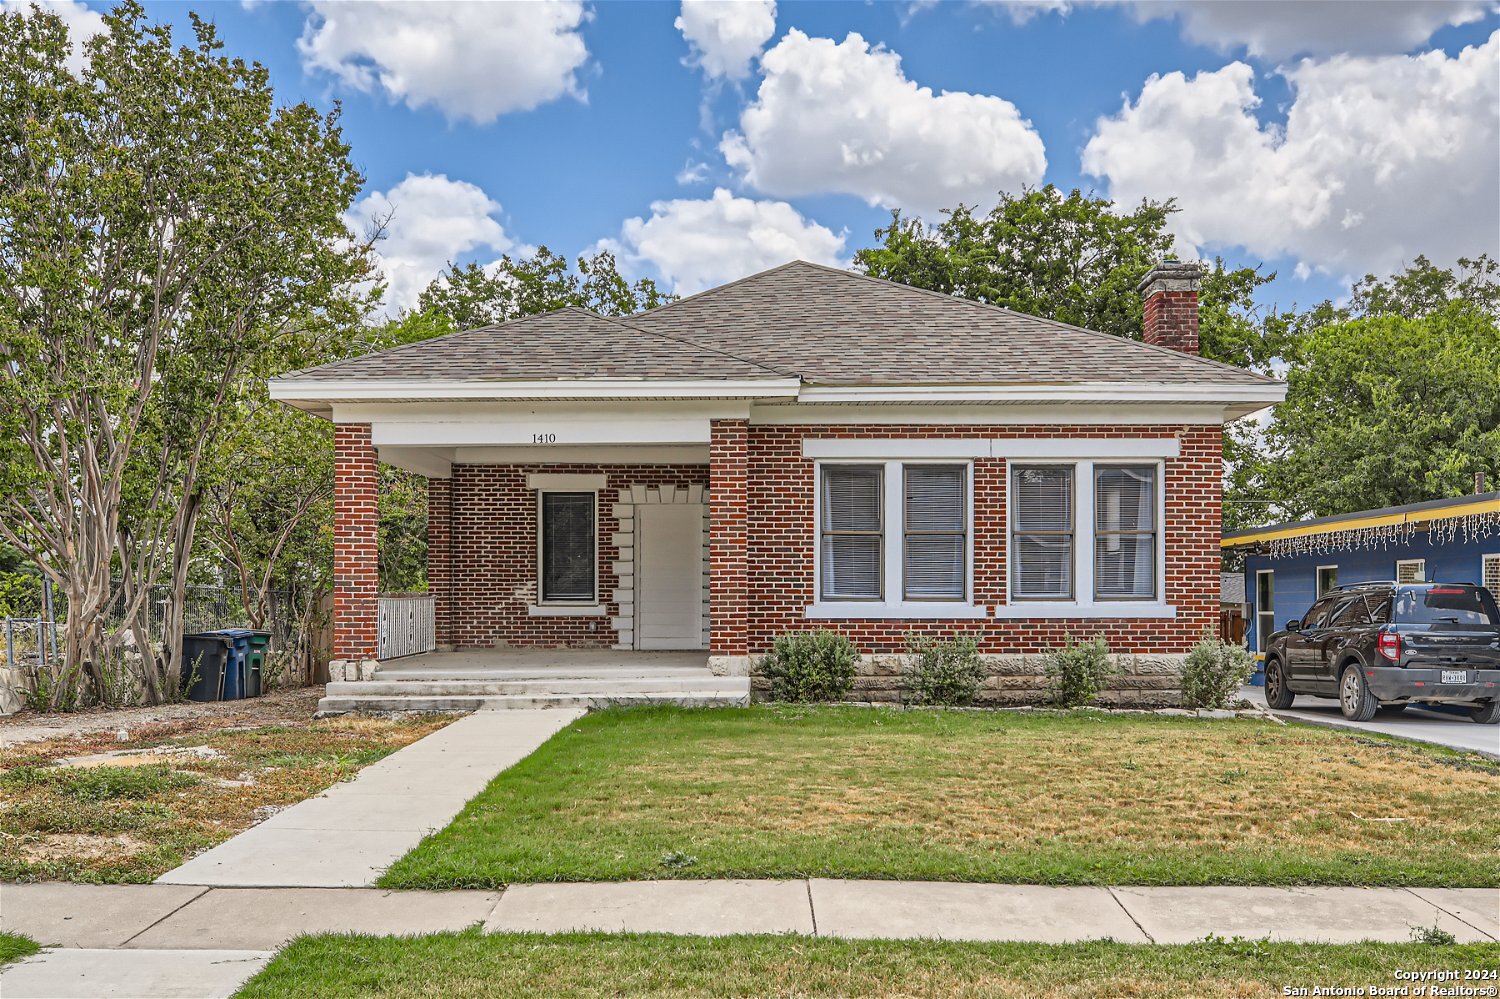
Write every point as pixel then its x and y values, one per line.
pixel 1487 713
pixel 1278 694
pixel 1354 697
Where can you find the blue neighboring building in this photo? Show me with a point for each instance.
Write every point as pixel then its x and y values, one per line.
pixel 1288 566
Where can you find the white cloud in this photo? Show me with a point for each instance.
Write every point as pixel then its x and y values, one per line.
pixel 1273 29
pixel 692 172
pixel 82 23
pixel 726 35
pixel 470 60
pixel 1380 158
pixel 843 118
pixel 432 220
pixel 698 244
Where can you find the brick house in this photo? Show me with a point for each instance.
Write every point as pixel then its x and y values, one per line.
pixel 803 448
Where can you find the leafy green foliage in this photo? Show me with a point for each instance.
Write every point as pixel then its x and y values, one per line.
pixel 810 666
pixel 470 296
pixel 103 783
pixel 1078 671
pixel 1213 671
pixel 1074 258
pixel 942 671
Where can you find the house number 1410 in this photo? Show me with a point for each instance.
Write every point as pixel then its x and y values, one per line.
pixel 544 438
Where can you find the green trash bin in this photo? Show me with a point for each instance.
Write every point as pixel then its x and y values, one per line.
pixel 247 660
pixel 255 663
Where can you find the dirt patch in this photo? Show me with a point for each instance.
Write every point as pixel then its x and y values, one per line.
pixel 77 846
pixel 281 705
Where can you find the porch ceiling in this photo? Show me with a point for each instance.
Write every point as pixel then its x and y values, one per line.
pixel 438 461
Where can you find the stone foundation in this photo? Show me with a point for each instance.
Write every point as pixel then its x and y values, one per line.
pixel 1143 681
pixel 352 670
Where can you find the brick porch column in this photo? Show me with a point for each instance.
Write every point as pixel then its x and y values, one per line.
pixel 356 566
pixel 440 557
pixel 728 588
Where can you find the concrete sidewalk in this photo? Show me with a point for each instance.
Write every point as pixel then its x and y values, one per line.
pixel 167 917
pixel 171 940
pixel 1437 727
pixel 349 835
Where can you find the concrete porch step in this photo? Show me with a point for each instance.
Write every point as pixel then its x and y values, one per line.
pixel 419 700
pixel 382 686
pixel 545 673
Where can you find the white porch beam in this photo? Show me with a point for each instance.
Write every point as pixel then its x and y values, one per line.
pixel 435 463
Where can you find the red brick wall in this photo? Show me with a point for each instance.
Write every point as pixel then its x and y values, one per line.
pixel 494 559
pixel 781 535
pixel 1171 320
pixel 356 566
pixel 728 580
pixel 439 558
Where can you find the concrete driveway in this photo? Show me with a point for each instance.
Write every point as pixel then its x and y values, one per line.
pixel 1439 727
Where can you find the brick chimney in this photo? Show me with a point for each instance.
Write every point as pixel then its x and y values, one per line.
pixel 1171 307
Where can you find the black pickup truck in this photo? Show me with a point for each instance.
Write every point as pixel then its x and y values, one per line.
pixel 1381 646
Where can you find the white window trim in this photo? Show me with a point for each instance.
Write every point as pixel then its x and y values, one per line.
pixel 1412 561
pixel 1084 604
pixel 1316 581
pixel 564 608
pixel 1260 653
pixel 893 526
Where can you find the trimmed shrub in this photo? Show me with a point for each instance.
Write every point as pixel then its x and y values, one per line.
pixel 1214 670
pixel 810 666
pixel 1078 671
pixel 942 672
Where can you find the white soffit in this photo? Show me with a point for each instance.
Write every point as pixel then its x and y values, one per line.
pixel 1018 447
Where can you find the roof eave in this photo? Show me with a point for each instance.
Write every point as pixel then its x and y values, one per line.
pixel 305 393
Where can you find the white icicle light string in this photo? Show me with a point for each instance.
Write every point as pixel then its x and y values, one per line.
pixel 1444 531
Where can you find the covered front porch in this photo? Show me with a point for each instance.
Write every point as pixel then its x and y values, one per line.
pixel 618 529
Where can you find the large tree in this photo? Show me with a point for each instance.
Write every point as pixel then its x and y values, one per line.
pixel 1071 257
pixel 1393 398
pixel 167 236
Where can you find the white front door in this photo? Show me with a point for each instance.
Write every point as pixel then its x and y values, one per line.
pixel 669 576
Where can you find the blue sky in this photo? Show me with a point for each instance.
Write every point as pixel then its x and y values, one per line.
pixel 702 142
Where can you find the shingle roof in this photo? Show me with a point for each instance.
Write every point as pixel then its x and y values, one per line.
pixel 566 344
pixel 800 320
pixel 833 327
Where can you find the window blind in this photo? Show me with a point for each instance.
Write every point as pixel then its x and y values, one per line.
pixel 851 532
pixel 1042 531
pixel 934 553
pixel 1124 532
pixel 568 546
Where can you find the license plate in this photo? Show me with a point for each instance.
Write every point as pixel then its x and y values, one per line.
pixel 1455 676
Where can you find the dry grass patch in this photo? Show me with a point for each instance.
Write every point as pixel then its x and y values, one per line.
pixel 1081 798
pixel 85 808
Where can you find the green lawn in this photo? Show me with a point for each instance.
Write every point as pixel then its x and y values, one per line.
pixel 13 947
pixel 1049 798
pixel 600 965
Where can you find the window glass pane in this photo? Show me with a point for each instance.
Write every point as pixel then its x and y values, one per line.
pixel 934 566
pixel 1125 565
pixel 1043 499
pixel 1124 499
pixel 567 546
pixel 851 566
pixel 1044 565
pixel 934 497
pixel 851 499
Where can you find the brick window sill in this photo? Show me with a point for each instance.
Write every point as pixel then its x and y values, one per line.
pixel 860 610
pixel 565 610
pixel 1114 609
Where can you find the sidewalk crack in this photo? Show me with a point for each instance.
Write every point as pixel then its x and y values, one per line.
pixel 1130 915
pixel 164 918
pixel 811 911
pixel 1480 930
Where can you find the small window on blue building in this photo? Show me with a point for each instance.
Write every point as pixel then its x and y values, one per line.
pixel 1328 578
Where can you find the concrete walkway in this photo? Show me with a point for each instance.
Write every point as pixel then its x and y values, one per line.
pixel 1437 727
pixel 173 940
pixel 347 836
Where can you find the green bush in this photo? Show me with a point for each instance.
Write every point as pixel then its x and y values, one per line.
pixel 1214 670
pixel 942 672
pixel 810 666
pixel 102 783
pixel 1078 671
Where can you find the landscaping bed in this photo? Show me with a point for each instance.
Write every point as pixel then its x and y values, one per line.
pixel 598 965
pixel 89 808
pixel 1023 797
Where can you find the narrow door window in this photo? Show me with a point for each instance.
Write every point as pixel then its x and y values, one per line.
pixel 1265 609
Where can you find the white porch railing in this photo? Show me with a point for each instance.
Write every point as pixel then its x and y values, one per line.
pixel 406 626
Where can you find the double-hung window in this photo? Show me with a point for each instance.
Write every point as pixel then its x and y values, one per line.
pixel 568 553
pixel 1042 532
pixel 1124 532
pixel 852 541
pixel 893 533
